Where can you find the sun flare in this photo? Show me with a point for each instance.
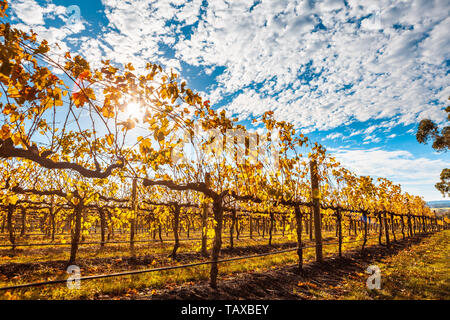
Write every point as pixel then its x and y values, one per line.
pixel 134 109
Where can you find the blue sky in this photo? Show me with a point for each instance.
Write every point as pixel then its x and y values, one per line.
pixel 356 76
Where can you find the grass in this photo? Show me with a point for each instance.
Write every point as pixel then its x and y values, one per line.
pixel 111 287
pixel 113 250
pixel 420 272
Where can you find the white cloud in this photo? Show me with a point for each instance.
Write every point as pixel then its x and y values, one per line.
pixel 29 11
pixel 33 14
pixel 276 42
pixel 314 68
pixel 316 78
pixel 417 175
pixel 29 14
pixel 334 135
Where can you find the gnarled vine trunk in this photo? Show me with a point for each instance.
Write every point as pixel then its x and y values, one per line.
pixel 76 233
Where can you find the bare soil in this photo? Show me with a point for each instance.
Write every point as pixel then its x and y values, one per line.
pixel 283 282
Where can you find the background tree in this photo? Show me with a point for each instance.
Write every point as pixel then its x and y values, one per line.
pixel 429 130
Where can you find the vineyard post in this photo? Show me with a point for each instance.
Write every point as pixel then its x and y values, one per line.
pixel 271 226
pixel 380 228
pixel 10 227
pixel 316 209
pixel 410 233
pixel 306 223
pixel 188 227
pixel 403 227
pixel 263 227
pixel 176 222
pixel 102 226
pixel 24 217
pixel 133 217
pixel 3 224
pixel 365 230
pixel 339 227
pixel 232 226
pixel 298 219
pixel 424 226
pixel 43 225
pixel 238 227
pixel 204 250
pixel 393 226
pixel 160 233
pixel 386 228
pixel 53 224
pixel 218 217
pixel 336 227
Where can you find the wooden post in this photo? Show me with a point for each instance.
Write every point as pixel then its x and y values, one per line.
pixel 10 226
pixel 102 226
pixel 410 232
pixel 133 217
pixel 204 250
pixel 298 220
pixel 238 227
pixel 24 219
pixel 24 214
pixel 316 209
pixel 232 226
pixel 380 228
pixel 271 226
pixel 393 227
pixel 217 244
pixel 403 227
pixel 176 221
pixel 339 226
pixel 386 228
pixel 365 231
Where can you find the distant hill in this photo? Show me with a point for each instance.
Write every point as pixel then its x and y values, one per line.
pixel 439 204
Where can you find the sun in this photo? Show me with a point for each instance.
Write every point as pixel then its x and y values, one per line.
pixel 135 110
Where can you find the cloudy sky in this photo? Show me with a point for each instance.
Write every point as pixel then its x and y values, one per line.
pixel 356 76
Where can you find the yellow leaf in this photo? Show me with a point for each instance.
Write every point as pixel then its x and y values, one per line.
pixel 110 139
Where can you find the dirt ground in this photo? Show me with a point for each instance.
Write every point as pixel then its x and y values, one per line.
pixel 287 282
pixel 118 263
